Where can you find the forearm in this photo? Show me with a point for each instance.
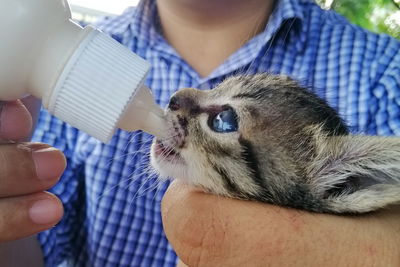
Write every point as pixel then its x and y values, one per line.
pixel 21 253
pixel 208 230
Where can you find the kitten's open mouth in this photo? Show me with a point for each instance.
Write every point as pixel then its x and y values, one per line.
pixel 166 152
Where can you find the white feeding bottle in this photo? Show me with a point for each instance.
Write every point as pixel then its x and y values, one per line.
pixel 83 76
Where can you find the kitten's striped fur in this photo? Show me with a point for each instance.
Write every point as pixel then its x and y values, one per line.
pixel 291 149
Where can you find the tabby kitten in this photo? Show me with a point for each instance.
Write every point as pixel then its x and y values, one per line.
pixel 266 138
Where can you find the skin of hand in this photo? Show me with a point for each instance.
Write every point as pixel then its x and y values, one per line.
pixel 208 230
pixel 26 171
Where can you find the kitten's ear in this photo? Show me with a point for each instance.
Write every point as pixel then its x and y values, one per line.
pixel 357 173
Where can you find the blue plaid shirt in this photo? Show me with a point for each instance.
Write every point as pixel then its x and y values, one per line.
pixel 112 203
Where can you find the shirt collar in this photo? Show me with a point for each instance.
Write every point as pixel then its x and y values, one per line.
pixel 146 17
pixel 144 21
pixel 283 11
pixel 287 15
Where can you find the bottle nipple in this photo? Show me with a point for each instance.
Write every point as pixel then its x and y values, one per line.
pixel 154 124
pixel 142 113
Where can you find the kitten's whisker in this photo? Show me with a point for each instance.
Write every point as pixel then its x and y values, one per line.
pixel 149 187
pixel 134 153
pixel 108 190
pixel 134 177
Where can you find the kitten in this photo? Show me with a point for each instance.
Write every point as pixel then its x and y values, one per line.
pixel 266 138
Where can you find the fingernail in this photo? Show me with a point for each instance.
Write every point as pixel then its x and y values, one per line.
pixel 49 163
pixel 45 211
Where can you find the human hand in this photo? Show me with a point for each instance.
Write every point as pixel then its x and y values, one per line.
pixel 26 170
pixel 208 230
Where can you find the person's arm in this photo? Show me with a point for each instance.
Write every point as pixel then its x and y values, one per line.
pixel 208 230
pixel 26 171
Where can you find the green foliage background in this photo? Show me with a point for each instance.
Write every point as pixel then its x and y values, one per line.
pixel 382 16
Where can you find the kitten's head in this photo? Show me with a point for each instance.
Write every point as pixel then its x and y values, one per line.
pixel 250 127
pixel 252 137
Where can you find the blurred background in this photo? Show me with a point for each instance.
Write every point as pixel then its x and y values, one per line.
pixel 88 11
pixel 382 16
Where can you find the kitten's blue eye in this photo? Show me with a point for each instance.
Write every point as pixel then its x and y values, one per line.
pixel 225 122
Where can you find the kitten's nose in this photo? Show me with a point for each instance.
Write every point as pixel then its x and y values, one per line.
pixel 174 103
pixel 181 102
pixel 185 101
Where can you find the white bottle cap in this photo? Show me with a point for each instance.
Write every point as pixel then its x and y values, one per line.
pixel 96 85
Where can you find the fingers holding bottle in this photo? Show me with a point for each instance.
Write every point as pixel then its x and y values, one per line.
pixel 24 216
pixel 15 121
pixel 28 168
pixel 26 171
